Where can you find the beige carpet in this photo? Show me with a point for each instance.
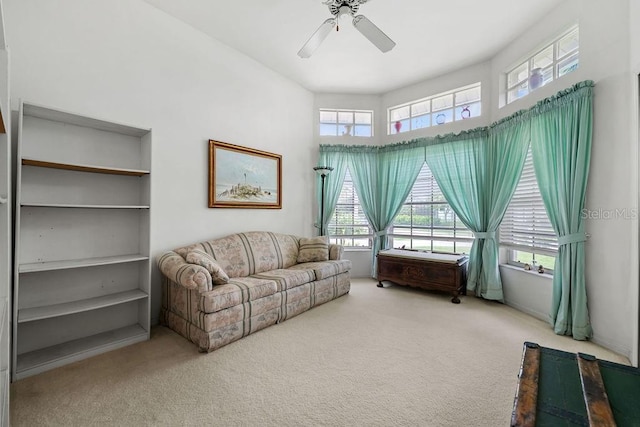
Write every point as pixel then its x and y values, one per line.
pixel 375 357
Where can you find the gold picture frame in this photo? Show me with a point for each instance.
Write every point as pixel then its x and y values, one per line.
pixel 241 177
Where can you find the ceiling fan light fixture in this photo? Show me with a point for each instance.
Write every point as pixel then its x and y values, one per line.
pixel 344 11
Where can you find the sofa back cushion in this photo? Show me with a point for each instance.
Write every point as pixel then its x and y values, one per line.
pixel 313 249
pixel 245 254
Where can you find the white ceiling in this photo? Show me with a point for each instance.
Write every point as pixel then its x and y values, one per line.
pixel 433 37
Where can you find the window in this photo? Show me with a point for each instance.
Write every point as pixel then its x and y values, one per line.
pixel 550 63
pixel 458 104
pixel 525 229
pixel 348 225
pixel 346 123
pixel 427 222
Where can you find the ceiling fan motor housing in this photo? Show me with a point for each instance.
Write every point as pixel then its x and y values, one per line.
pixel 335 6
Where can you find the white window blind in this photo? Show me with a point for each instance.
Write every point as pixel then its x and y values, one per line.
pixel 526 225
pixel 427 222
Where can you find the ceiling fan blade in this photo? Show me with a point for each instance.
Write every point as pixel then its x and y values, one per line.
pixel 316 38
pixel 373 33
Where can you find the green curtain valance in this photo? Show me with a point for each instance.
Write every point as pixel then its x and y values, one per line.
pixel 563 97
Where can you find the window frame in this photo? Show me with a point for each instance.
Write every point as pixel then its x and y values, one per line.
pixel 338 124
pixel 553 68
pixel 449 111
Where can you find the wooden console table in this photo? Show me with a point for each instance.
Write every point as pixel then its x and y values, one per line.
pixel 426 270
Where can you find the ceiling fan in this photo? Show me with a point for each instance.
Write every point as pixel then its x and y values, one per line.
pixel 339 9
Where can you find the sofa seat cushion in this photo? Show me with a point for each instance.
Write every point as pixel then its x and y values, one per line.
pixel 288 278
pixel 238 291
pixel 325 269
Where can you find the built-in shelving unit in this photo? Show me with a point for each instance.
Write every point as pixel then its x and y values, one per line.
pixel 82 265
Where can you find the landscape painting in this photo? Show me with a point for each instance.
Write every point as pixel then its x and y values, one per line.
pixel 241 177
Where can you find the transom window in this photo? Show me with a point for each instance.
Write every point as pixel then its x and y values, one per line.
pixel 346 123
pixel 525 229
pixel 555 60
pixel 427 222
pixel 458 104
pixel 348 225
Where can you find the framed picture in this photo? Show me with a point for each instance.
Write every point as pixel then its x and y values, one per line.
pixel 241 177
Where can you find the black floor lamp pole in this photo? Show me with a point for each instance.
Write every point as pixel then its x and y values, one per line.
pixel 322 207
pixel 323 171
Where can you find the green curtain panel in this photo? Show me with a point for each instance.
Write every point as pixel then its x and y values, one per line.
pixel 332 185
pixel 561 133
pixel 505 155
pixel 383 179
pixel 459 168
pixel 478 177
pixel 398 168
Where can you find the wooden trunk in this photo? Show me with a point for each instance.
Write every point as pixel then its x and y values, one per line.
pixel 557 388
pixel 440 272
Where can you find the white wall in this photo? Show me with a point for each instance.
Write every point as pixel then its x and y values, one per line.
pixel 634 55
pixel 528 291
pixel 611 252
pixel 125 61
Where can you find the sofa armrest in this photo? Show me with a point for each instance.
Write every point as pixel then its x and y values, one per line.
pixel 191 276
pixel 336 251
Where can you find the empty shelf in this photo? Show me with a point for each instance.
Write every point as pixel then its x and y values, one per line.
pixel 60 354
pixel 77 263
pixel 84 168
pixel 80 206
pixel 46 312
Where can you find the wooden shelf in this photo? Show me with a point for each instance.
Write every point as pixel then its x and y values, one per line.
pixel 60 354
pixel 47 312
pixel 84 168
pixel 80 206
pixel 77 263
pixel 66 117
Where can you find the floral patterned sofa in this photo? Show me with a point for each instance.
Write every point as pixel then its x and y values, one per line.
pixel 218 291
